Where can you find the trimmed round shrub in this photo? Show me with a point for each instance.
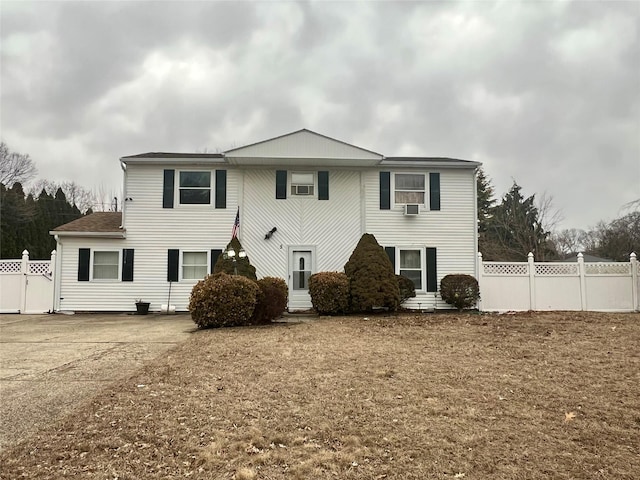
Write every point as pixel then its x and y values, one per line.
pixel 329 292
pixel 222 300
pixel 407 288
pixel 372 281
pixel 242 265
pixel 461 291
pixel 271 301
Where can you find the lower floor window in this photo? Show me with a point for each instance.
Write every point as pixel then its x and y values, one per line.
pixel 194 265
pixel 105 265
pixel 411 266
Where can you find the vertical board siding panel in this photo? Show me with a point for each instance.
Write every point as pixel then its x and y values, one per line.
pixel 323 185
pixel 281 184
pixel 391 253
pixel 173 264
pixel 434 191
pixel 385 190
pixel 432 269
pixel 127 264
pixel 84 257
pixel 215 253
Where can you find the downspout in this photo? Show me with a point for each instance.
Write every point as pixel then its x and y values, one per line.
pixel 124 192
pixel 57 274
pixel 475 221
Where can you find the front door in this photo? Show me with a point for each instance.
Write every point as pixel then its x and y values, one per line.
pixel 301 266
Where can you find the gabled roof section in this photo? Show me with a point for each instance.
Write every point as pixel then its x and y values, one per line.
pixel 300 148
pixel 99 224
pixel 173 157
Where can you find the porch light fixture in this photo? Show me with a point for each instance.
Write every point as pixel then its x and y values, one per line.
pixel 231 253
pixel 270 233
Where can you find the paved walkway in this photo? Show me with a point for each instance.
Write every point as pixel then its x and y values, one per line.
pixel 49 363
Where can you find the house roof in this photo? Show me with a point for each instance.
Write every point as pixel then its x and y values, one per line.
pixel 430 161
pixel 174 155
pixel 105 224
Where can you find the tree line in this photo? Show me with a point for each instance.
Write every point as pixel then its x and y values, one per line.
pixel 511 228
pixel 27 216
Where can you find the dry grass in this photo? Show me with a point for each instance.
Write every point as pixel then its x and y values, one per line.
pixel 526 396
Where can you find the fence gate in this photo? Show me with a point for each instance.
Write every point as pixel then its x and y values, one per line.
pixel 26 286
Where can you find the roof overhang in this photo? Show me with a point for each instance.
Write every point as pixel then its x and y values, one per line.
pixel 459 164
pixel 122 234
pixel 301 161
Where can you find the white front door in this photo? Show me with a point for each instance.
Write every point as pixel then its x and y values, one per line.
pixel 301 266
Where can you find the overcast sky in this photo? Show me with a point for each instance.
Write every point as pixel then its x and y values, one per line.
pixel 543 93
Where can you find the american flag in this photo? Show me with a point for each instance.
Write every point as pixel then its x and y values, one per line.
pixel 236 225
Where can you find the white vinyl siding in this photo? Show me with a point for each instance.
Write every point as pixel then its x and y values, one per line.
pixel 195 265
pixel 106 265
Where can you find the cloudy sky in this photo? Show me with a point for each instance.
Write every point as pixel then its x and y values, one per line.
pixel 543 93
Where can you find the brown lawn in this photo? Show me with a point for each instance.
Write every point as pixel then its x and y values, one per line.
pixel 527 396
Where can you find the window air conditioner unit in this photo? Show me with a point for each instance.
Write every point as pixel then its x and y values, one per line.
pixel 411 209
pixel 303 189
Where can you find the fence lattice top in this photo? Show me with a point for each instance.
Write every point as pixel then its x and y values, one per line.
pixel 495 268
pixel 10 266
pixel 607 268
pixel 40 268
pixel 556 269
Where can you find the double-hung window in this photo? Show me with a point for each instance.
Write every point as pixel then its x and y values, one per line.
pixel 412 266
pixel 195 187
pixel 409 188
pixel 194 265
pixel 302 183
pixel 106 265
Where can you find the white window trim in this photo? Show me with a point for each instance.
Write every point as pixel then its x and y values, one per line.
pixel 303 172
pixel 425 204
pixel 423 263
pixel 212 188
pixel 105 280
pixel 181 264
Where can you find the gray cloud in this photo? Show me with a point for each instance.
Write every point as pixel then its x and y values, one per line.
pixel 543 93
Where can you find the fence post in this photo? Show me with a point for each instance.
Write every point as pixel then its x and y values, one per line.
pixel 532 282
pixel 583 283
pixel 480 271
pixel 634 281
pixel 52 272
pixel 24 269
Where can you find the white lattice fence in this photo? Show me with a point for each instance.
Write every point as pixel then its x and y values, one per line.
pixel 611 286
pixel 26 286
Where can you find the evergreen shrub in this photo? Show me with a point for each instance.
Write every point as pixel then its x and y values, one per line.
pixel 329 292
pixel 461 291
pixel 407 288
pixel 372 281
pixel 242 265
pixel 221 300
pixel 271 301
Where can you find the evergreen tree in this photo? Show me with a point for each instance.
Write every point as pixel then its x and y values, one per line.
pixel 514 230
pixel 241 265
pixel 372 281
pixel 486 205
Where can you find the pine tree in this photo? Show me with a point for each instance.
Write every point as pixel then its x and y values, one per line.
pixel 486 205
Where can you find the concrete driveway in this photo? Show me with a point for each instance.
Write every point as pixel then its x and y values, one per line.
pixel 50 363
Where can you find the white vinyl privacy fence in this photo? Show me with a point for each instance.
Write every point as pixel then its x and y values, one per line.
pixel 521 286
pixel 26 286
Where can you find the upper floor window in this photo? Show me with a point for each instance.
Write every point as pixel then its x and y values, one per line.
pixel 302 183
pixel 409 188
pixel 106 265
pixel 195 188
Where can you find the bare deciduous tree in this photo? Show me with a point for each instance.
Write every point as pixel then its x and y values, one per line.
pixel 15 167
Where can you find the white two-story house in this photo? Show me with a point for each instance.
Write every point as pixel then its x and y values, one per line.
pixel 304 200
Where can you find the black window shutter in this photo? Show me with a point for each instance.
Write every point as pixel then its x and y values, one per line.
pixel 323 185
pixel 173 258
pixel 84 256
pixel 385 190
pixel 221 189
pixel 391 253
pixel 281 184
pixel 434 191
pixel 214 257
pixel 127 264
pixel 167 189
pixel 432 270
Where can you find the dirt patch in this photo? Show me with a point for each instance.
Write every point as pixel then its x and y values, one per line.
pixel 433 396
